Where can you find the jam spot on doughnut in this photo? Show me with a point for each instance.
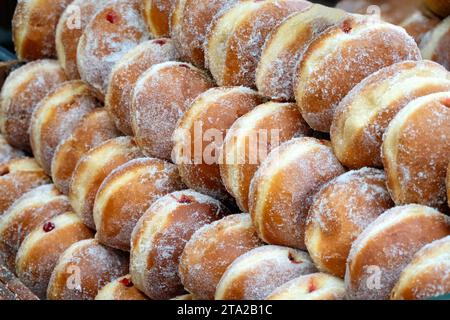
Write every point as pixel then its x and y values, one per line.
pixel 294 259
pixel 346 26
pixel 312 287
pixel 184 65
pixel 185 200
pixel 127 282
pixel 49 226
pixel 112 17
pixel 160 42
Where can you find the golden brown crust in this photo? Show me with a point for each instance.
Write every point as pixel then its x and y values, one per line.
pixel 212 249
pixel 435 44
pixel 338 59
pixel 22 91
pixel 34 27
pixel 121 289
pixel 439 7
pixel 94 129
pixel 161 96
pixel 126 73
pixel 93 168
pixel 419 24
pixel 157 15
pixel 83 269
pixel 126 194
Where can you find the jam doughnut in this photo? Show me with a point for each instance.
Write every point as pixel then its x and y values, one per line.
pixel 161 96
pixel 121 289
pixel 34 26
pixel 190 22
pixel 363 116
pixel 17 177
pixel 427 276
pixel 256 274
pixel 56 116
pixel 125 74
pixel 377 258
pixel 340 212
pixel 94 129
pixel 236 38
pixel 22 91
pixel 157 15
pixel 439 7
pixel 8 153
pixel 214 111
pixel 111 33
pixel 283 188
pixel 340 58
pixel 316 286
pixel 69 30
pixel 212 249
pixel 419 24
pixel 83 269
pixel 286 45
pixel 41 249
pixel 93 168
pixel 160 237
pixel 250 140
pixel 435 44
pixel 126 194
pixel 415 154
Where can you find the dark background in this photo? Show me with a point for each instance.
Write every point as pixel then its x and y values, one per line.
pixel 7 10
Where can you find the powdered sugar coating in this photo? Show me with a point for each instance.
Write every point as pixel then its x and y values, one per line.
pixel 434 45
pixel 111 33
pixel 157 14
pixel 7 152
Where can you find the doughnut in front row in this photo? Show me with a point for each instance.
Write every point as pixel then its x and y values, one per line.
pixel 428 274
pixel 340 212
pixel 416 152
pixel 340 58
pixel 257 273
pixel 21 92
pixel 201 132
pixel 94 129
pixel 41 249
pixel 434 45
pixel 125 195
pixel 283 189
pixel 386 247
pixel 212 249
pixel 250 140
pixel 161 236
pixel 316 286
pixel 362 117
pixel 92 170
pixel 85 268
pixel 122 289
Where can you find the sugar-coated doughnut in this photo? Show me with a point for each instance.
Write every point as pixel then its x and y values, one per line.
pixel 125 74
pixel 190 23
pixel 213 112
pixel 8 153
pixel 435 44
pixel 111 33
pixel 340 58
pixel 250 140
pixel 34 27
pixel 41 249
pixel 94 129
pixel 439 7
pixel 257 273
pixel 93 168
pixel 212 249
pixel 416 154
pixel 28 212
pixel 236 38
pixel 285 47
pixel 427 276
pixel 316 286
pixel 126 194
pixel 21 92
pixel 56 116
pixel 83 269
pixel 12 289
pixel 17 177
pixel 121 289
pixel 283 188
pixel 157 15
pixel 419 24
pixel 161 96
pixel 362 117
pixel 342 209
pixel 387 246
pixel 69 30
pixel 6 67
pixel 161 236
